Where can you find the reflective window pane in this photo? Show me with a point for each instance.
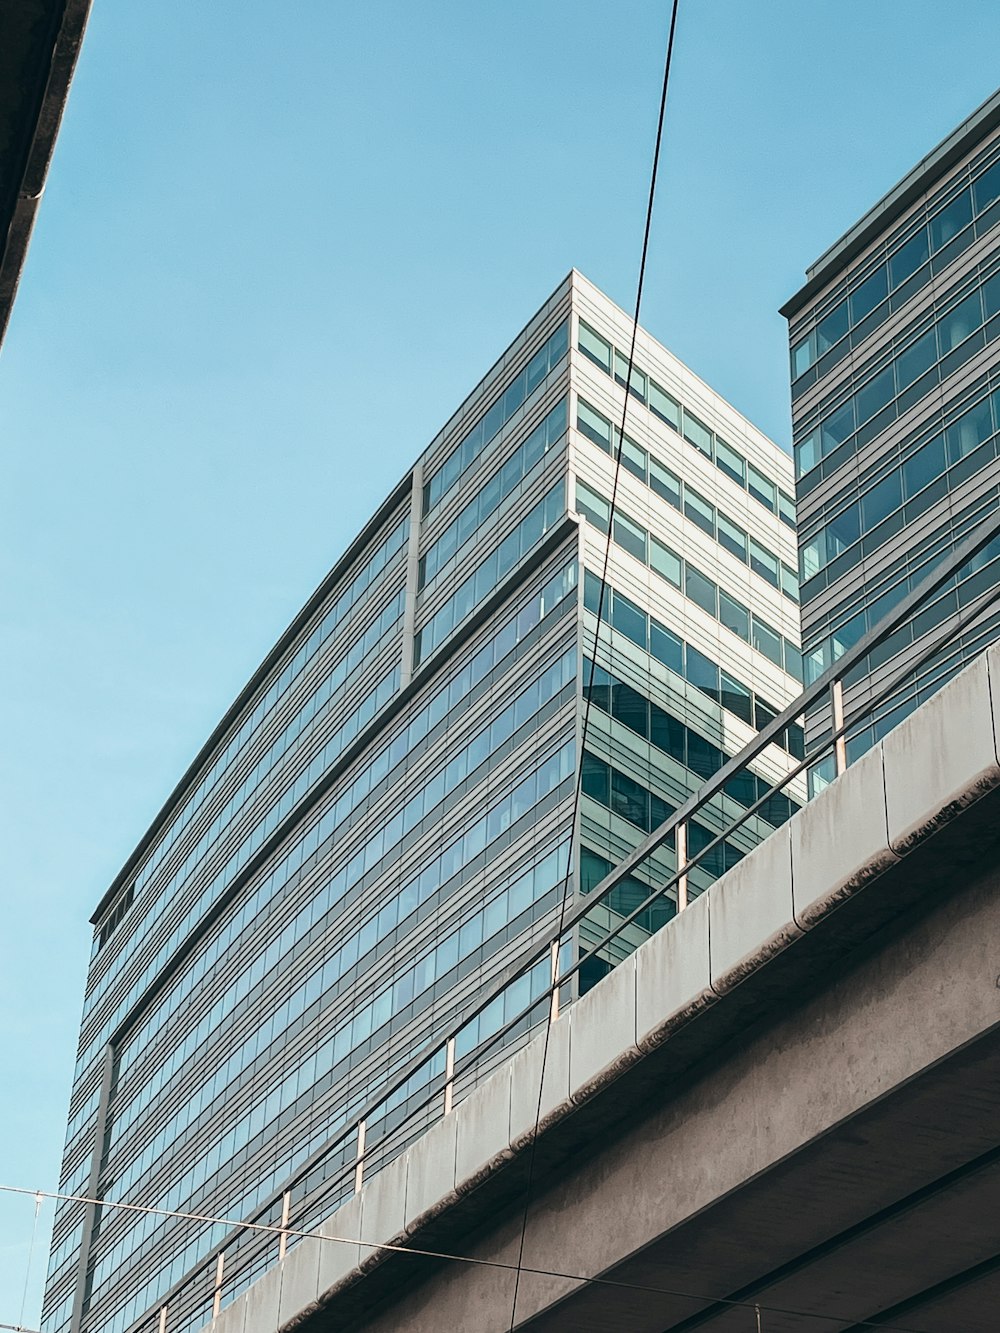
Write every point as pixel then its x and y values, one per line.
pixel 630 536
pixel 663 405
pixel 697 433
pixel 701 590
pixel 595 347
pixel 665 562
pixel 873 290
pixel 734 615
pixel 951 219
pixel 699 511
pixel 908 258
pixel 664 483
pixel 730 461
pixel 762 488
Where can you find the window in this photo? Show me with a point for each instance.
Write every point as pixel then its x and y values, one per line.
pixel 762 488
pixel 593 868
pixel 831 328
pixel 843 531
pixel 969 431
pixel 987 188
pixel 735 696
pixel 593 425
pixel 666 647
pixel 595 347
pixel 869 294
pixel 703 757
pixel 908 258
pixel 875 394
pixel 956 326
pixel 922 467
pixel 807 453
pixel 951 220
pixel 762 562
pixel 733 615
pixel 486 428
pixel 634 458
pixel 699 511
pixel 883 498
pixel 630 536
pixel 838 426
pixel 662 405
pixel 917 358
pixel 812 556
pixel 802 357
pixel 734 539
pixel 665 562
pixel 697 433
pixel 637 384
pixel 593 506
pixel 596 779
pixel 702 672
pixel 730 461
pixel 664 483
pixel 667 734
pixel 629 708
pixel 629 619
pixel 767 641
pixel 701 591
pixel 629 799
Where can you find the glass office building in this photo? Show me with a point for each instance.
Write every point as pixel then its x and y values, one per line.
pixel 386 811
pixel 895 367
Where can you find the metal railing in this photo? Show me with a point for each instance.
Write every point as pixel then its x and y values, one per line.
pixel 199 1295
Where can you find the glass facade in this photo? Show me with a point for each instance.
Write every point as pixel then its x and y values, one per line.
pixel 386 813
pixel 895 364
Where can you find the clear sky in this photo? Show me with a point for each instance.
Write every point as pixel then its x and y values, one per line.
pixel 278 245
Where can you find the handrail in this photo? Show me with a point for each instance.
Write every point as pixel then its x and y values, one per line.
pixel 533 954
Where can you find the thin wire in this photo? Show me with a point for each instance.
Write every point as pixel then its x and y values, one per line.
pixel 31 1251
pixel 863 711
pixel 413 1252
pixel 599 616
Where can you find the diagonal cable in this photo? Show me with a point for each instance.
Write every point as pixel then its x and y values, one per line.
pixel 563 907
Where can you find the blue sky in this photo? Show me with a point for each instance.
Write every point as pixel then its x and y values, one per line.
pixel 278 245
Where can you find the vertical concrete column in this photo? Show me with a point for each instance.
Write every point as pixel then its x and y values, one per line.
pixel 220 1269
pixel 837 708
pixel 681 844
pixel 408 663
pixel 359 1170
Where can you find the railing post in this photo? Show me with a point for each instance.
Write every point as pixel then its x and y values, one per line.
pixel 554 977
pixel 837 709
pixel 359 1170
pixel 220 1264
pixel 163 1319
pixel 681 844
pixel 449 1074
pixel 286 1208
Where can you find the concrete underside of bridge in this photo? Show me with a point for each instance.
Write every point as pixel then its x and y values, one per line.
pixel 790 1099
pixel 831 1162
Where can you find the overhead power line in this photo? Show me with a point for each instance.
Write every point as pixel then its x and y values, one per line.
pixel 602 597
pixel 295 1233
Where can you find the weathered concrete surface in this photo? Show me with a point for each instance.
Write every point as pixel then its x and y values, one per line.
pixel 791 1095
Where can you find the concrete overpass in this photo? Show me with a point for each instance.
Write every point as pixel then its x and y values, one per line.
pixel 39 45
pixel 789 1098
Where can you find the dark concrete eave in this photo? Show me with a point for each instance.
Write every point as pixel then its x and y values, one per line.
pixel 929 169
pixel 39 44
